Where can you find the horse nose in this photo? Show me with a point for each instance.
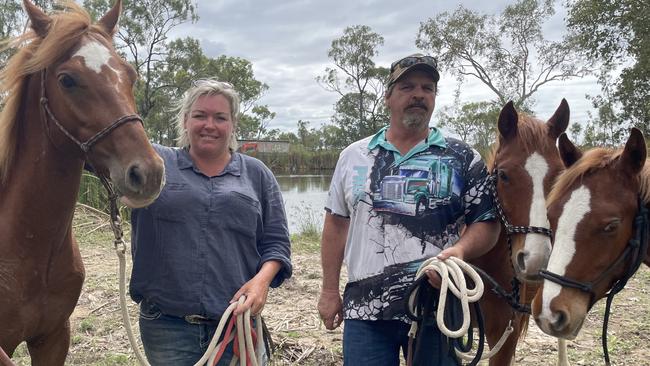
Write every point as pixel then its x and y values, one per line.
pixel 136 179
pixel 522 256
pixel 560 321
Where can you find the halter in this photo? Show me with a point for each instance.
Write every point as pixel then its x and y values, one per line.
pixel 635 250
pixel 513 298
pixel 512 229
pixel 84 146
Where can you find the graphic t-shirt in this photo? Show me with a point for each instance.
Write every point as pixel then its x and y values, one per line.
pixel 402 210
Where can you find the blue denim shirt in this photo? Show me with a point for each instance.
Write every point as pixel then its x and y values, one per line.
pixel 205 237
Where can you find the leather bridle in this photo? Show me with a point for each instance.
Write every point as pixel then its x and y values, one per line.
pixel 512 298
pixel 634 252
pixel 88 144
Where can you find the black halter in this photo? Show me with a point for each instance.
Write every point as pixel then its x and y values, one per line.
pixel 512 229
pixel 635 250
pixel 84 146
pixel 512 298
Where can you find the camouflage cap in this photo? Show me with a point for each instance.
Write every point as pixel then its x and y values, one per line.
pixel 416 61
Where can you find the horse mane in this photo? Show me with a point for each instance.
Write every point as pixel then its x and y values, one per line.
pixel 531 133
pixel 591 160
pixel 68 26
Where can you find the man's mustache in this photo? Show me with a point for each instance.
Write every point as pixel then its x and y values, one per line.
pixel 417 105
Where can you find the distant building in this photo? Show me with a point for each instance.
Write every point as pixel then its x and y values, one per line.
pixel 263 146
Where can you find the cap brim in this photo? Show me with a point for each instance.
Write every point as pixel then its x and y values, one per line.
pixel 419 66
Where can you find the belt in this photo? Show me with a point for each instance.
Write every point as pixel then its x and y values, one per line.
pixel 200 320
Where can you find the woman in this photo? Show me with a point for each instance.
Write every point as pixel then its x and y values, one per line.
pixel 217 231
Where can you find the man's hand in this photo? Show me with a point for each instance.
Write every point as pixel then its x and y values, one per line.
pixel 454 251
pixel 330 308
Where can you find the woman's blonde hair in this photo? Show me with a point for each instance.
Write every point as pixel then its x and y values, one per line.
pixel 200 88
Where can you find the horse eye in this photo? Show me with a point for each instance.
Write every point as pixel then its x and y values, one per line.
pixel 502 175
pixel 67 81
pixel 611 227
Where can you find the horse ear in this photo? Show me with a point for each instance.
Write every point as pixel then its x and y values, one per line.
pixel 568 151
pixel 507 123
pixel 558 123
pixel 110 19
pixel 634 154
pixel 39 21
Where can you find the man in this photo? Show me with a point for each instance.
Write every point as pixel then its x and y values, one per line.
pixel 396 199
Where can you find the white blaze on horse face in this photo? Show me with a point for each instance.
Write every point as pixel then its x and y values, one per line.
pixel 95 55
pixel 564 248
pixel 537 245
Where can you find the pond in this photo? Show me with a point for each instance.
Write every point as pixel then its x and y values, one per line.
pixel 304 198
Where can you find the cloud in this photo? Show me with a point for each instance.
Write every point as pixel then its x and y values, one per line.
pixel 287 42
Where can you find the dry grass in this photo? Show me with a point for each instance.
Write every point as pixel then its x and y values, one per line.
pixel 99 338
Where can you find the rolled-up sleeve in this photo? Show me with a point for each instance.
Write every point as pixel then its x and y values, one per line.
pixel 275 243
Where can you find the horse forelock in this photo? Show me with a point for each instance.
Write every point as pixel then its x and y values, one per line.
pixel 67 29
pixel 532 135
pixel 596 158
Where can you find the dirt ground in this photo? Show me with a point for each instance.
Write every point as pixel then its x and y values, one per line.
pixel 99 337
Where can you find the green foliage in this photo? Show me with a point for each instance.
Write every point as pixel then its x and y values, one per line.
pixel 475 123
pixel 13 22
pixel 616 33
pixel 299 160
pixel 360 83
pixel 507 53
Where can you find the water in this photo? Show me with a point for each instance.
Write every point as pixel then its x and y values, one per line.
pixel 304 199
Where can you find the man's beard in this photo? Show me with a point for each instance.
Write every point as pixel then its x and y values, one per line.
pixel 414 121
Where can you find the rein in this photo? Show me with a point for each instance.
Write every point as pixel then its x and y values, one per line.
pixel 635 249
pixel 87 145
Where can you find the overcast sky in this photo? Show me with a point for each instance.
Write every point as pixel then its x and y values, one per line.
pixel 287 42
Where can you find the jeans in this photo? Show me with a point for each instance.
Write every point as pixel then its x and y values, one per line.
pixel 378 343
pixel 171 341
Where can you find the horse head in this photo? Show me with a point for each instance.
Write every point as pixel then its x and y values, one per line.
pixel 88 107
pixel 592 210
pixel 525 165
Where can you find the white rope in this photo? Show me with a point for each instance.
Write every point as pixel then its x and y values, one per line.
pixel 244 334
pixel 452 273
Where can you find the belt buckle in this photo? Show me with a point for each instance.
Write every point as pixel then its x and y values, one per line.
pixel 195 319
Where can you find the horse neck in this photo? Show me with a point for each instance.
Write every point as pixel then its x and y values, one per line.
pixel 43 183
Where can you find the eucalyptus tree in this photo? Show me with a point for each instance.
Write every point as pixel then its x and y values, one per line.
pixel 508 53
pixel 143 38
pixel 616 33
pixel 358 81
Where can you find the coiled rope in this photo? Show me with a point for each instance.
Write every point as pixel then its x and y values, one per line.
pixel 452 272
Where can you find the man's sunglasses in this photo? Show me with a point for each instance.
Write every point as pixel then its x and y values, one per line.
pixel 412 60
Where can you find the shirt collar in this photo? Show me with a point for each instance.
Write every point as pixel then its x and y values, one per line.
pixel 435 138
pixel 233 167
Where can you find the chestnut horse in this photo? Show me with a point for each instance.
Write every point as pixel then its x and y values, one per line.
pixel 69 101
pixel 599 243
pixel 524 164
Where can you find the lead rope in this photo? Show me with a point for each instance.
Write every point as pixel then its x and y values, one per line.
pixel 452 272
pixel 4 359
pixel 249 353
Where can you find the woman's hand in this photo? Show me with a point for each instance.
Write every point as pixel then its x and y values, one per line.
pixel 257 289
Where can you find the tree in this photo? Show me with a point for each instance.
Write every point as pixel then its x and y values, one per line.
pixel 507 53
pixel 186 62
pixel 13 22
pixel 475 123
pixel 142 38
pixel 358 81
pixel 617 33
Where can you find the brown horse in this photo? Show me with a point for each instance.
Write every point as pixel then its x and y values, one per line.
pixel 69 100
pixel 592 210
pixel 525 162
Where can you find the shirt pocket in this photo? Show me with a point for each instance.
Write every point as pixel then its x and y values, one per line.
pixel 244 214
pixel 176 242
